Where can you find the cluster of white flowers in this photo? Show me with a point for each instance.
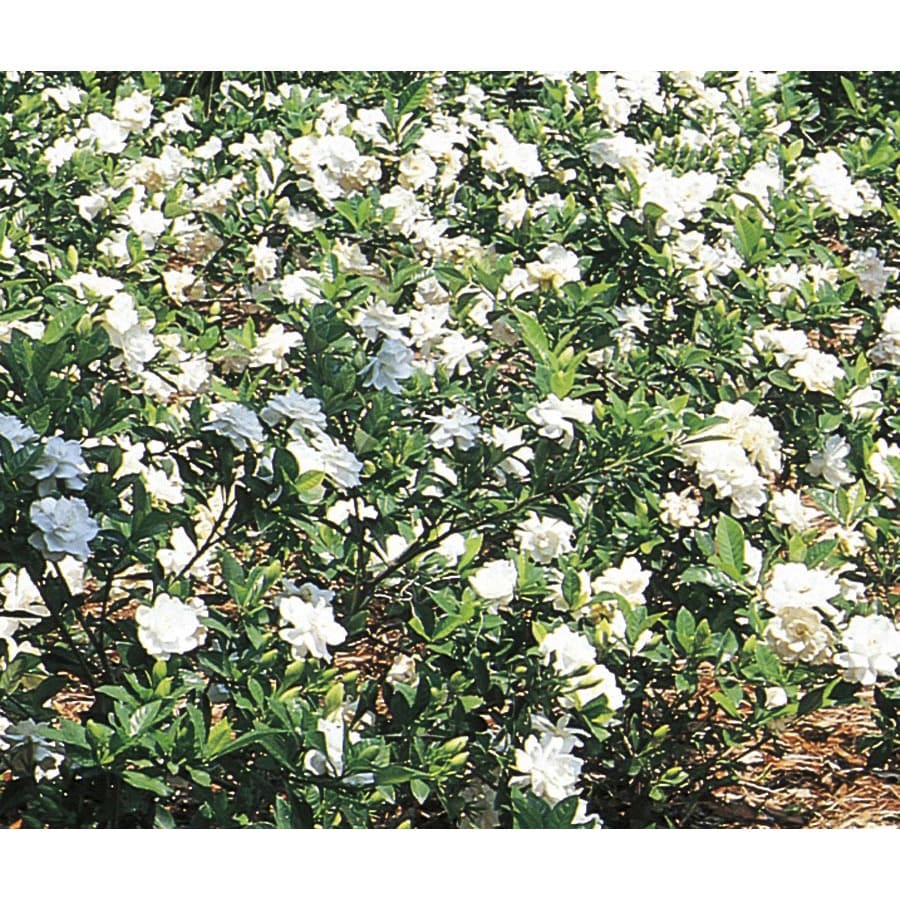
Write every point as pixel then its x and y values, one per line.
pixel 736 457
pixel 827 180
pixel 550 770
pixel 574 658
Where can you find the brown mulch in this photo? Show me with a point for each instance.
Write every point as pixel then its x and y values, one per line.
pixel 811 775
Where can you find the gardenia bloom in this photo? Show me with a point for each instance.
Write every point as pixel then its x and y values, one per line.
pixel 181 552
pixel 554 267
pixel 236 422
pixel 515 462
pixel 15 432
pixel 795 585
pixel 879 463
pixel 65 528
pixel 455 350
pixel 454 425
pixel 798 634
pixel 305 413
pixel 505 152
pixel 549 771
pixel 273 347
pixel 377 318
pixel 331 762
pixel 495 582
pixel 568 651
pixel 679 510
pixel 629 581
pixel 871 273
pixel 830 462
pixel 872 646
pixel 61 460
pixel 391 365
pixel 403 671
pixel 788 509
pixel 28 752
pixel 887 348
pixel 787 344
pixel 309 621
pixel 723 464
pixel 827 179
pixel 554 417
pixel 20 595
pixel 817 371
pixel 171 626
pixel 544 538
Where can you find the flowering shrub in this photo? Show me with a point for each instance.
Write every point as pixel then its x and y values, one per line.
pixel 477 450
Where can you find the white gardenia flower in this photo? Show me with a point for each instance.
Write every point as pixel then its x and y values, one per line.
pixel 879 463
pixel 723 464
pixel 392 364
pixel 171 626
pixel 549 771
pixel 65 528
pixel 31 753
pixel 872 646
pixel 798 634
pixel 629 581
pixel 544 538
pixel 495 582
pixel 17 433
pixel 377 318
pixel 568 651
pixel 817 371
pixel 456 425
pixel 864 403
pixel 61 460
pixel 788 509
pixel 236 422
pixel 887 348
pixel 554 417
pixel 304 413
pixel 505 152
pixel 830 461
pixel 871 273
pixel 555 266
pixel 20 595
pixel 679 510
pixel 795 585
pixel 455 350
pixel 336 461
pixel 265 261
pixel 273 347
pixel 515 462
pixel 181 552
pixel 310 626
pixel 403 671
pixel 787 344
pixel 331 762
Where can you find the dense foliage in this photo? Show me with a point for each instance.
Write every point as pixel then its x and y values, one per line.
pixel 415 450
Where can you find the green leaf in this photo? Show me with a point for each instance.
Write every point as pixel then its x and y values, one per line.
pixel 146 783
pixel 412 96
pixel 420 790
pixel 729 543
pixel 533 335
